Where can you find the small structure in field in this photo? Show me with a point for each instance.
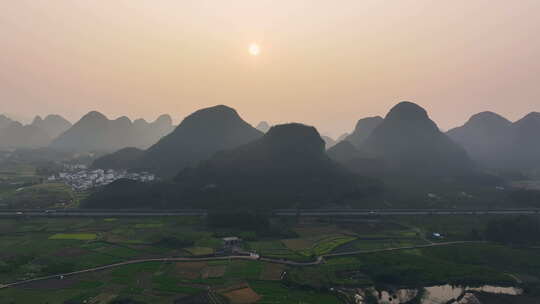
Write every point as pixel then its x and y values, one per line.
pixel 232 243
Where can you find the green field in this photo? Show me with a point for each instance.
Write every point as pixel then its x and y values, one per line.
pixel 33 247
pixel 74 236
pixel 21 187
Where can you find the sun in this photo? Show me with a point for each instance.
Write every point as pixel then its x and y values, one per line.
pixel 254 49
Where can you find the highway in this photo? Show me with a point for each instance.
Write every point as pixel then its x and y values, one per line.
pixel 281 212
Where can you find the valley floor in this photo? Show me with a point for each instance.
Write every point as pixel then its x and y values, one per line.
pixel 34 247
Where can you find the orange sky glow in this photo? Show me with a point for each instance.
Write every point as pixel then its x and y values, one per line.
pixel 324 63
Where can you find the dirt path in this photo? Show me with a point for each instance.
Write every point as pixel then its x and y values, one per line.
pixel 318 261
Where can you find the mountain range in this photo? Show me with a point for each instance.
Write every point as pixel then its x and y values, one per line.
pixel 39 133
pixel 95 132
pixel 410 143
pixel 495 142
pixel 286 167
pixel 363 130
pixel 53 125
pixel 406 140
pixel 197 138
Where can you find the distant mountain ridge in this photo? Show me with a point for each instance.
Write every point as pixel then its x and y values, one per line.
pixel 360 162
pixel 95 132
pixel 410 143
pixel 16 135
pixel 495 142
pixel 287 167
pixel 197 138
pixel 52 124
pixel 363 130
pixel 5 121
pixel 122 159
pixel 263 126
pixel 328 141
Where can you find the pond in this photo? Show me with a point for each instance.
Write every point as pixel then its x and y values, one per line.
pixel 440 294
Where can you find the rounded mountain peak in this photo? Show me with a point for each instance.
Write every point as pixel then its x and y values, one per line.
pixel 140 121
pixel 407 110
pixel 368 122
pixel 295 135
pixel 164 119
pixel 531 116
pixel 219 109
pixel 263 126
pixel 488 117
pixel 123 119
pixel 37 120
pixel 214 116
pixel 94 115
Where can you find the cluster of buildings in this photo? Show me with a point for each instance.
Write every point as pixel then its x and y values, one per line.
pixel 80 178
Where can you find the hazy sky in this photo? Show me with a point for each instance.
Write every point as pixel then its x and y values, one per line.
pixel 325 63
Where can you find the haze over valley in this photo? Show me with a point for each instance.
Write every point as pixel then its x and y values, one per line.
pixel 269 152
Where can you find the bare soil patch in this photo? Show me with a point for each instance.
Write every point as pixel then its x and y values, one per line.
pixel 213 271
pixel 102 298
pixel 297 244
pixel 242 296
pixel 272 272
pixel 190 270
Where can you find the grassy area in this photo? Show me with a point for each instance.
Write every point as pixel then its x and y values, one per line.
pixel 74 236
pixel 327 245
pixel 41 246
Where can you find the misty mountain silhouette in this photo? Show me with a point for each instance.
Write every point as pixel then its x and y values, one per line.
pixel 53 125
pixel 148 134
pixel 198 137
pixel 16 135
pixel 5 121
pixel 497 143
pixel 287 167
pixel 360 162
pixel 263 126
pixel 410 143
pixel 121 159
pixel 485 136
pixel 363 130
pixel 525 143
pixel 328 141
pixel 95 132
pixel 342 137
pixel 343 151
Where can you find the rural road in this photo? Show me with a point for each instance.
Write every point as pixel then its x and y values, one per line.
pixel 319 260
pixel 282 212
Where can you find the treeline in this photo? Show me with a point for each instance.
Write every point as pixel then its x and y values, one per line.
pixel 522 230
pixel 526 197
pixel 258 222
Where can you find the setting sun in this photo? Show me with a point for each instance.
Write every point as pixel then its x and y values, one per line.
pixel 254 49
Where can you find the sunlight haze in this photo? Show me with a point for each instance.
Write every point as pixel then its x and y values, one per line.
pixel 319 62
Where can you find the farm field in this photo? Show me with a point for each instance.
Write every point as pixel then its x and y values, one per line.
pixel 21 187
pixel 33 247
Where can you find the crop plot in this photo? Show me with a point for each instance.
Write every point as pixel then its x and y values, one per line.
pixel 242 294
pixel 189 270
pixel 74 236
pixel 272 272
pixel 212 272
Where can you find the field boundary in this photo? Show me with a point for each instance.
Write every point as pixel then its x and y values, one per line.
pixel 318 260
